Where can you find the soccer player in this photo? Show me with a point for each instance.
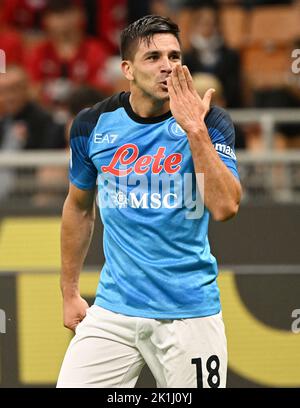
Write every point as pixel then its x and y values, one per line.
pixel 157 300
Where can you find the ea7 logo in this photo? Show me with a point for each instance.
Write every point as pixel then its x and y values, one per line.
pixel 105 137
pixel 225 150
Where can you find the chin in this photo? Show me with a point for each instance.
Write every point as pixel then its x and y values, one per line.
pixel 163 96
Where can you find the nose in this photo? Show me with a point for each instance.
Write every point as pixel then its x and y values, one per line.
pixel 166 66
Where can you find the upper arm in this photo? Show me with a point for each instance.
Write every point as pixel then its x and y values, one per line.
pixel 83 200
pixel 82 171
pixel 222 135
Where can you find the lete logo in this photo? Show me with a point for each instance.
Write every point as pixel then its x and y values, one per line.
pixel 128 155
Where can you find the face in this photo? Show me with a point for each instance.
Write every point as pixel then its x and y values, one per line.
pixel 13 91
pixel 151 66
pixel 63 25
pixel 205 22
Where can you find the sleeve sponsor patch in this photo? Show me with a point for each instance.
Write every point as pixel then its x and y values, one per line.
pixel 225 150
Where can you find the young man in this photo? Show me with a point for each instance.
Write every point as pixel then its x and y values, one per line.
pixel 157 301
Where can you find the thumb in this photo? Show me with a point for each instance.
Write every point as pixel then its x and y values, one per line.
pixel 207 96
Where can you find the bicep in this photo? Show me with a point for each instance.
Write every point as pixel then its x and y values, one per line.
pixel 222 134
pixel 82 171
pixel 81 199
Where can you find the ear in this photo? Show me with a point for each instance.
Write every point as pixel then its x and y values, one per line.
pixel 127 69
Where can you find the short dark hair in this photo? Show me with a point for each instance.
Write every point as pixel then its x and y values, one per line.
pixel 145 28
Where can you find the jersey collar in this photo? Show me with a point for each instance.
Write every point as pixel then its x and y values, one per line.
pixel 139 119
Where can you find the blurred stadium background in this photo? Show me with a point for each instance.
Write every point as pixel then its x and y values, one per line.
pixel 62 56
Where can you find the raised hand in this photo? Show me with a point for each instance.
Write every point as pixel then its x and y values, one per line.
pixel 187 107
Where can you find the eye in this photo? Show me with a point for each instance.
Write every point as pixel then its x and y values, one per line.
pixel 152 57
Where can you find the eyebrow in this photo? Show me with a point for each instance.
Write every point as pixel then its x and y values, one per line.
pixel 154 52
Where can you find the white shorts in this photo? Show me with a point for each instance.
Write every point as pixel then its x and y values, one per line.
pixel 109 350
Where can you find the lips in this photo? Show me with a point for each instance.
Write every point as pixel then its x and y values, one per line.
pixel 164 84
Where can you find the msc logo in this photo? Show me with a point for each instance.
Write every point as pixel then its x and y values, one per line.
pixel 105 137
pixel 225 150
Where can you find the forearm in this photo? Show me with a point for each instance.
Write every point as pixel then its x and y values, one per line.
pixel 222 192
pixel 76 233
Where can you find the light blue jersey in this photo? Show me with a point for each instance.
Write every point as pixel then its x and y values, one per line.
pixel 158 262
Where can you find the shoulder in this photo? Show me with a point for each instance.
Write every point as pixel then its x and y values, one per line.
pixel 217 116
pixel 86 119
pixel 36 116
pixel 219 125
pixel 92 114
pixel 37 111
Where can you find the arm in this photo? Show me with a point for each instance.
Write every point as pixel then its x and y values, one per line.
pixel 76 233
pixel 78 217
pixel 222 190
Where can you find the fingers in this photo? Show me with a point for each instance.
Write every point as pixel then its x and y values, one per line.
pixel 188 78
pixel 175 80
pixel 179 80
pixel 181 86
pixel 70 326
pixel 171 90
pixel 182 81
pixel 73 323
pixel 207 97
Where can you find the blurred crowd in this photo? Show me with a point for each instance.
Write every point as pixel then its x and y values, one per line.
pixel 62 56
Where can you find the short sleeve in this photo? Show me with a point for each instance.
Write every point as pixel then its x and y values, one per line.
pixel 222 134
pixel 82 172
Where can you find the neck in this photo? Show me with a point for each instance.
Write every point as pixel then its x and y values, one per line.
pixel 147 107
